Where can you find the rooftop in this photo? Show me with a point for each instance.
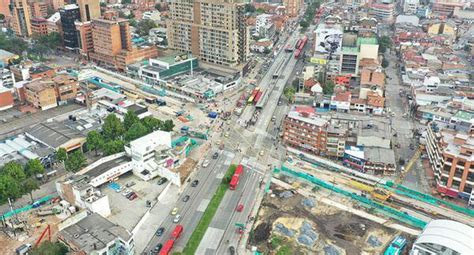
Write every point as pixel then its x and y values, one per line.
pixel 102 168
pixel 39 69
pixel 93 233
pixel 367 40
pixel 375 154
pixel 53 134
pixel 311 119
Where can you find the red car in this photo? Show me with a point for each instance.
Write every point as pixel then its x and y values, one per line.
pixel 133 196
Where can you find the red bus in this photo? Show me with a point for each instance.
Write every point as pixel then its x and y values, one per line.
pixel 297 53
pixel 177 232
pixel 167 247
pixel 236 177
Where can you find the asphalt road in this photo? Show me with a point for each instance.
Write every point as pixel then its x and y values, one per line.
pixel 192 211
pixel 403 125
pixel 222 227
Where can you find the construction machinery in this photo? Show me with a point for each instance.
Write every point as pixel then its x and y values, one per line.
pixel 46 230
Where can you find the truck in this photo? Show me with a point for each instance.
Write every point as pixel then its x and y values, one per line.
pixel 23 249
pixel 234 181
pixel 396 246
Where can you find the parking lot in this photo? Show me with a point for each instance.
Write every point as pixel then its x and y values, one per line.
pixel 128 213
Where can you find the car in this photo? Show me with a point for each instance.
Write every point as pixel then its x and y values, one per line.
pixel 177 218
pixel 174 211
pixel 160 231
pixel 129 194
pixel 226 134
pixel 158 248
pixel 130 184
pixel 231 250
pixel 261 153
pixel 186 198
pixel 162 180
pixel 215 155
pixel 126 192
pixel 205 163
pixel 194 183
pixel 133 196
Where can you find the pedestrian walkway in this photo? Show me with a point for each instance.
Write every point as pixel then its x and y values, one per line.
pixel 147 227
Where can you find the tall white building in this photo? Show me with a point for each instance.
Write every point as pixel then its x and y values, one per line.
pixel 410 6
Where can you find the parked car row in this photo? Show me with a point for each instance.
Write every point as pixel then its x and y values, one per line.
pixel 130 195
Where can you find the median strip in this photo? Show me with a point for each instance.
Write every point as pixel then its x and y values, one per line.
pixel 209 213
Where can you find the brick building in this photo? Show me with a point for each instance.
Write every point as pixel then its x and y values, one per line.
pixel 112 43
pixel 39 26
pixel 450 154
pixel 41 71
pixel 65 87
pixel 305 131
pixel 41 94
pixel 39 10
pixel 6 98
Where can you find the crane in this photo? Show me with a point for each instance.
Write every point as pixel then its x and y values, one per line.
pixel 46 230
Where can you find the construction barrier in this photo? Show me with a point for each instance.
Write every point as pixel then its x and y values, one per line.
pixel 27 208
pixel 386 210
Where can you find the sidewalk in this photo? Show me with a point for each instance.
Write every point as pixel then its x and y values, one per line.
pixel 146 228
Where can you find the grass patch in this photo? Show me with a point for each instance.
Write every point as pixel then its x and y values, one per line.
pixel 285 250
pixel 209 213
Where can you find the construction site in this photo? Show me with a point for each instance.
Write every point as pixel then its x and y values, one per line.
pixel 33 224
pixel 316 206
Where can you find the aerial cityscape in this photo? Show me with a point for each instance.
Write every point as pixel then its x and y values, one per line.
pixel 216 127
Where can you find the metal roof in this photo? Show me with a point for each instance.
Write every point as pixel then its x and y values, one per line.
pixel 450 234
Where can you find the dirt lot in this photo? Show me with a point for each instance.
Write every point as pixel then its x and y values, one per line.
pixel 35 225
pixel 283 223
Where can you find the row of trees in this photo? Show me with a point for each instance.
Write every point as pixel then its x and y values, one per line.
pixel 309 14
pixel 115 133
pixel 40 46
pixel 17 180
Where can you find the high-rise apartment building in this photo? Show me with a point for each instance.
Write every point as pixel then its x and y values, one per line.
pixel 21 18
pixel 90 9
pixel 86 42
pixel 5 8
pixel 292 7
pixel 39 9
pixel 446 7
pixel 110 37
pixel 213 30
pixel 69 15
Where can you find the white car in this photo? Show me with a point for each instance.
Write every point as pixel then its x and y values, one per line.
pixel 177 218
pixel 205 163
pixel 125 192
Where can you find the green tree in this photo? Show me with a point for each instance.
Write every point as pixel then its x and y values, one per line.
pixel 168 126
pixel 304 24
pixel 289 93
pixel 112 127
pixel 384 43
pixel 467 48
pixel 328 88
pixel 159 7
pixel 34 167
pixel 385 63
pixel 249 8
pixel 30 185
pixel 61 155
pixel 49 248
pixel 9 188
pixel 137 130
pixel 12 43
pixel 103 4
pixel 126 1
pixel 14 170
pixel 129 119
pixel 2 17
pixel 151 123
pixel 94 141
pixel 75 161
pixel 144 26
pixel 114 146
